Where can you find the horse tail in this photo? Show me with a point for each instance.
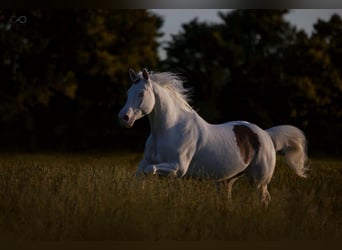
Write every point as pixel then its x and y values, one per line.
pixel 292 143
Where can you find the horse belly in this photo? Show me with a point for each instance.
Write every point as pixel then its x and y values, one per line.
pixel 215 165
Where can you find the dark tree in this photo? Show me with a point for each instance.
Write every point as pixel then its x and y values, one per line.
pixel 255 66
pixel 235 66
pixel 64 72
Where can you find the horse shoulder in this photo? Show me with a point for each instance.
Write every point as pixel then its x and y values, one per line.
pixel 183 138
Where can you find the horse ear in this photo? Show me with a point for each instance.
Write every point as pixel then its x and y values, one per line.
pixel 132 75
pixel 145 74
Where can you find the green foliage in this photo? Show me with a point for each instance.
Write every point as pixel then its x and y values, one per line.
pixel 318 83
pixel 255 66
pixel 64 73
pixel 236 63
pixel 96 197
pixel 68 68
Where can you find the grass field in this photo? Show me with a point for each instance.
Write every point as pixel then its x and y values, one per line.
pixel 96 197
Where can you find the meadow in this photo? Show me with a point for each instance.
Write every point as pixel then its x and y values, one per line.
pixel 96 197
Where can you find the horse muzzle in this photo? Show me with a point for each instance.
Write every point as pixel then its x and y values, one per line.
pixel 126 118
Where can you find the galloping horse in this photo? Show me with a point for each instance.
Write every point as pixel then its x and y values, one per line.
pixel 183 144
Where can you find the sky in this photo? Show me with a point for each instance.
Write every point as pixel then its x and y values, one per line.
pixel 174 18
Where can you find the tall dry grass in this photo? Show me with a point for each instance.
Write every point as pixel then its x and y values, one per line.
pixel 96 197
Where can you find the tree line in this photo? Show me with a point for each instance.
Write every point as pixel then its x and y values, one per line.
pixel 64 74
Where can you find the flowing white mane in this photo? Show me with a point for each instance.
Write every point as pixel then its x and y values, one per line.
pixel 174 84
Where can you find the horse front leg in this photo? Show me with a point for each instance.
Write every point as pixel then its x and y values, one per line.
pixel 141 171
pixel 161 169
pixel 176 168
pixel 164 169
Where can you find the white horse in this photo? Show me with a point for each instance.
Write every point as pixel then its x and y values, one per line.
pixel 181 143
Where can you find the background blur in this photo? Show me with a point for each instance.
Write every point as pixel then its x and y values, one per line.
pixel 64 75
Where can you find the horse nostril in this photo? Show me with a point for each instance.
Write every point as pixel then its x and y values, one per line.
pixel 126 118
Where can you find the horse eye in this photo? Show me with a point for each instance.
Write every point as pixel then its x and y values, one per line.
pixel 141 94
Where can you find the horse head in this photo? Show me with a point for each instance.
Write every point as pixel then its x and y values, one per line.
pixel 140 98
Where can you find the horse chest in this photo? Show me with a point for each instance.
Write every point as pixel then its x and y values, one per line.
pixel 163 149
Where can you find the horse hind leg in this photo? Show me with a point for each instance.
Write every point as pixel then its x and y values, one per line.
pixel 260 174
pixel 228 184
pixel 264 194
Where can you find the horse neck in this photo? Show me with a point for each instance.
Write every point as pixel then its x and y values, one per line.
pixel 166 112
